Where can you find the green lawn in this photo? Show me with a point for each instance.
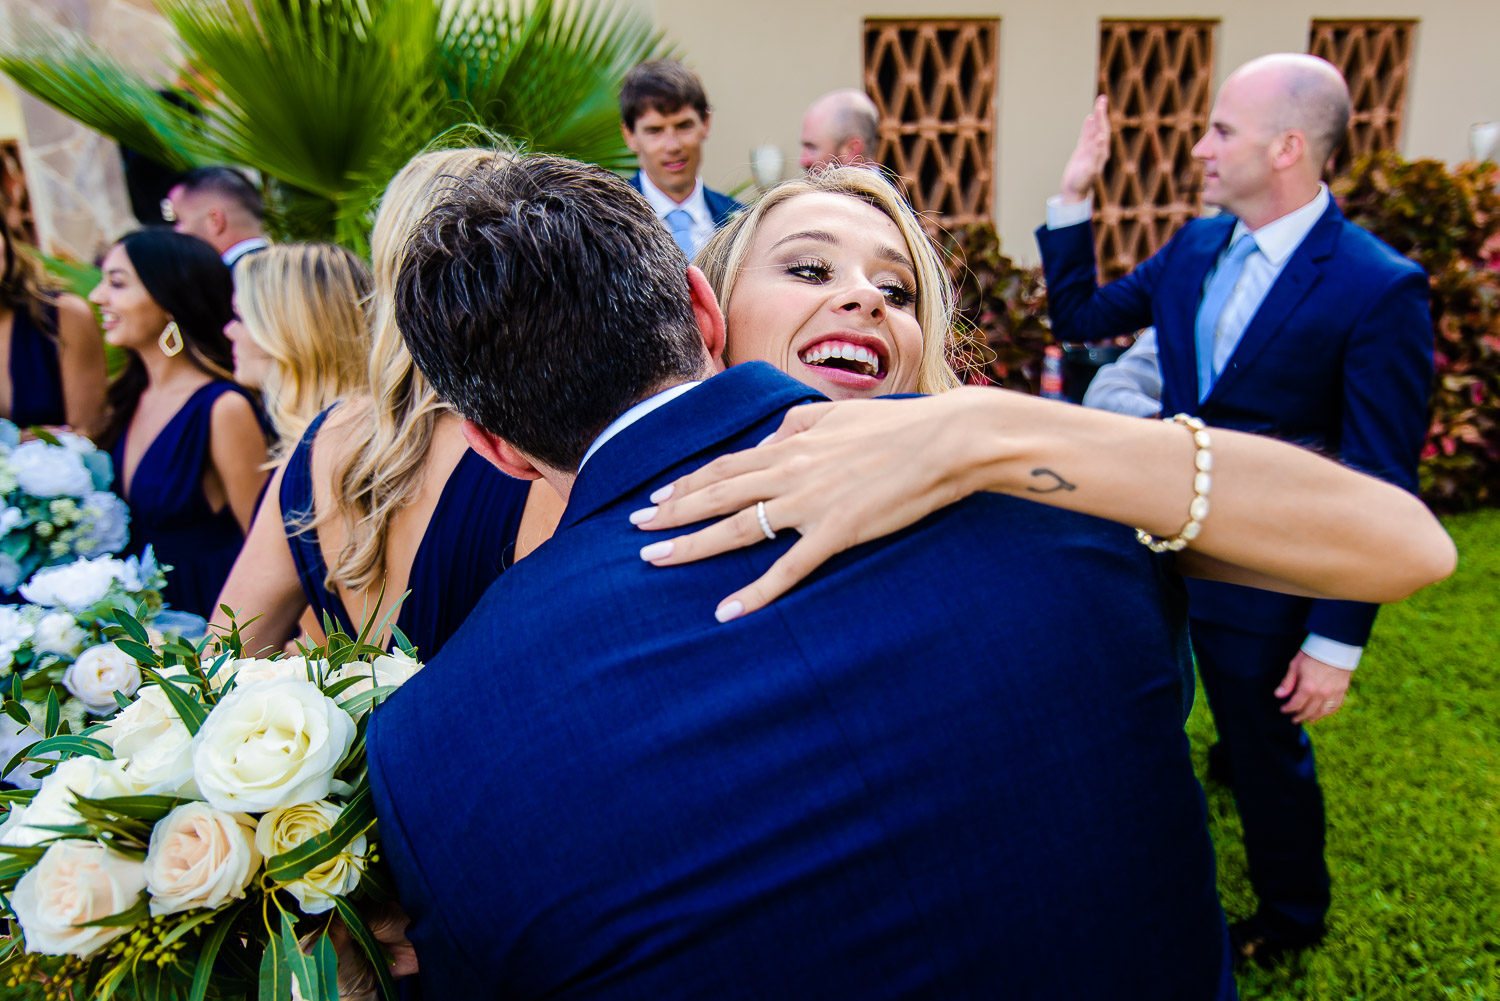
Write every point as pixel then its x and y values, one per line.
pixel 1411 775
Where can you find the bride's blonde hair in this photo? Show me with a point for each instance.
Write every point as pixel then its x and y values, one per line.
pixel 384 473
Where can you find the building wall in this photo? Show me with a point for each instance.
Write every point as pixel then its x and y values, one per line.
pixel 763 63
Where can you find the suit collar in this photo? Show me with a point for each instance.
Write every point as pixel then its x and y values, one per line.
pixel 701 418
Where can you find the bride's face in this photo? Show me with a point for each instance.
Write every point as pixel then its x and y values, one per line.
pixel 828 294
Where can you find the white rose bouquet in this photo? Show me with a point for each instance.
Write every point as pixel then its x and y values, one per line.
pixel 55 503
pixel 61 643
pixel 203 841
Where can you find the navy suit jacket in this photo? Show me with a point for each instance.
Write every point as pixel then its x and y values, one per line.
pixel 1337 358
pixel 720 205
pixel 914 776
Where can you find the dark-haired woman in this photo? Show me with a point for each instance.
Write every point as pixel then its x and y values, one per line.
pixel 187 440
pixel 54 371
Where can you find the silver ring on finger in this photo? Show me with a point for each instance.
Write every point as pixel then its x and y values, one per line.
pixel 765 523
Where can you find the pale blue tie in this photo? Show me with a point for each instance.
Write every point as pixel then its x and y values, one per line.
pixel 1214 298
pixel 681 225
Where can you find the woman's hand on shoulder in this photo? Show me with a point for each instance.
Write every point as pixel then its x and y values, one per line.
pixel 840 474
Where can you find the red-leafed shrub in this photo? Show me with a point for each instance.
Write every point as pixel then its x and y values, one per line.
pixel 1447 220
pixel 1002 311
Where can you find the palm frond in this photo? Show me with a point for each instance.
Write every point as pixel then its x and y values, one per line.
pixel 80 79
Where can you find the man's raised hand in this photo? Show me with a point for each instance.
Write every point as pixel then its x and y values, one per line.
pixel 1089 155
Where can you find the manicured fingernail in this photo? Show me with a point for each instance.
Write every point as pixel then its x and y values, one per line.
pixel 642 516
pixel 729 610
pixel 656 551
pixel 662 494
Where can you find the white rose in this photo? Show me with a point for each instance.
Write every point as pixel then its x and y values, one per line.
pixel 75 442
pixel 75 586
pixel 199 857
pixel 282 830
pixel 157 748
pixel 270 744
pixel 10 518
pixel 59 633
pixel 250 670
pixel 392 669
pixel 98 673
pixel 54 802
pixel 43 470
pixel 74 883
pixel 15 632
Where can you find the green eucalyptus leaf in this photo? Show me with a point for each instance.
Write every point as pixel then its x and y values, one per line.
pixel 302 966
pixel 275 972
pixel 357 818
pixel 54 714
pixel 132 628
pixel 188 709
pixel 137 913
pixel 375 954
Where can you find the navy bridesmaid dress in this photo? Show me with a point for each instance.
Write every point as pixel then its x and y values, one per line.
pixel 36 394
pixel 169 512
pixel 468 543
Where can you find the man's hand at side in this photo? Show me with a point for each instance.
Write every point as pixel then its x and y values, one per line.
pixel 1312 689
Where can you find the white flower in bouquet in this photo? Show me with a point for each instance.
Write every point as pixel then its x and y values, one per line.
pixel 251 670
pixel 43 470
pixel 156 746
pixel 10 518
pixel 282 830
pixel 74 883
pixel 60 634
pixel 75 442
pixel 396 668
pixel 270 744
pixel 104 524
pixel 98 673
pixel 15 632
pixel 199 857
pixel 54 803
pixel 79 585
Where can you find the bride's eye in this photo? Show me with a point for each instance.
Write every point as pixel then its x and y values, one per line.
pixel 899 294
pixel 810 269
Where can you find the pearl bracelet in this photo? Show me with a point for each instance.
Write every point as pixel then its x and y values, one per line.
pixel 1203 461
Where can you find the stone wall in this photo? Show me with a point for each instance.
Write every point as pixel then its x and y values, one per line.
pixel 74 175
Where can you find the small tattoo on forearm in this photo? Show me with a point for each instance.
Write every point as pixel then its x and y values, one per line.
pixel 1059 484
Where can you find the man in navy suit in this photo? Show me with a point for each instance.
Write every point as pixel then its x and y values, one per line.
pixel 1278 317
pixel 664 115
pixel 858 793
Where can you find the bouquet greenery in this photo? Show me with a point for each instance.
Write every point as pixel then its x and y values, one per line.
pixel 202 842
pixel 55 504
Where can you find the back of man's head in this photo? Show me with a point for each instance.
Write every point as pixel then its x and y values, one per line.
pixel 662 85
pixel 840 128
pixel 231 191
pixel 542 299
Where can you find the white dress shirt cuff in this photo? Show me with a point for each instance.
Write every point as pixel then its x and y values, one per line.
pixel 1332 651
pixel 1060 215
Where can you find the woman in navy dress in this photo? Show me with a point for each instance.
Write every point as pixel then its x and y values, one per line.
pixel 55 373
pixel 382 495
pixel 186 439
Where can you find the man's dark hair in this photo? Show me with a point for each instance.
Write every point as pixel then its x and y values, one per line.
pixel 227 183
pixel 664 86
pixel 542 299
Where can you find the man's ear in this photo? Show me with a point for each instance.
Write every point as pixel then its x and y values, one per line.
pixel 1291 147
pixel 852 151
pixel 706 311
pixel 500 453
pixel 217 221
pixel 629 138
pixel 708 121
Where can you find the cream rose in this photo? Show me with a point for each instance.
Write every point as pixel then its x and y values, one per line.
pixel 157 748
pixel 199 857
pixel 98 673
pixel 282 830
pixel 270 744
pixel 392 669
pixel 53 803
pixel 59 633
pixel 74 883
pixel 247 671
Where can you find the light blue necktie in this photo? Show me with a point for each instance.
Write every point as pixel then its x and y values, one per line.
pixel 681 225
pixel 1214 299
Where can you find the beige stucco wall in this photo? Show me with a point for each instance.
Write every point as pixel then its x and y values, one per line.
pixel 762 63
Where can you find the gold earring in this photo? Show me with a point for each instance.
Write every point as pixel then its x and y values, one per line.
pixel 170 340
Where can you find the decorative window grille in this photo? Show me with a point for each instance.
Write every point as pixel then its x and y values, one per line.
pixel 1159 78
pixel 933 82
pixel 1375 57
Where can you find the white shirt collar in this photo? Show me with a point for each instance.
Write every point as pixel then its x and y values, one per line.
pixel 1276 240
pixel 634 414
pixel 661 202
pixel 242 248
